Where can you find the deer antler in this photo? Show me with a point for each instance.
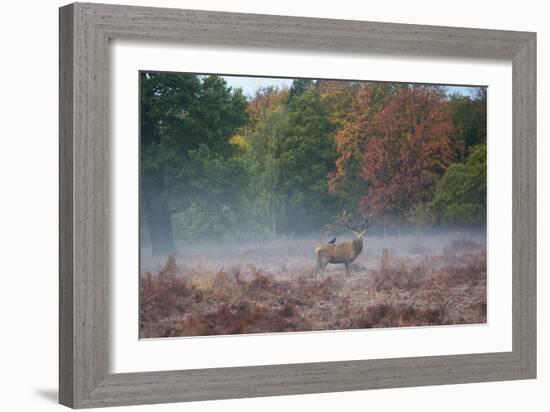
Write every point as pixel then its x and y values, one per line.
pixel 360 225
pixel 347 221
pixel 367 220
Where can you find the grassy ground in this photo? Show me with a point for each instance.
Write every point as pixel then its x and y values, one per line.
pixel 271 288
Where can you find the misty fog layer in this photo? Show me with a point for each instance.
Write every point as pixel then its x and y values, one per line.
pixel 287 256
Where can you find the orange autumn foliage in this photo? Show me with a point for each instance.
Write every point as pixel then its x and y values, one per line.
pixel 401 138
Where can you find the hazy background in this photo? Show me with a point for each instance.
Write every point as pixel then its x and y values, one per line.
pixel 237 159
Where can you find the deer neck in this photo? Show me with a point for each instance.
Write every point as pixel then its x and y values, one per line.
pixel 357 245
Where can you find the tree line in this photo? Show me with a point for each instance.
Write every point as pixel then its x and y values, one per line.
pixel 216 164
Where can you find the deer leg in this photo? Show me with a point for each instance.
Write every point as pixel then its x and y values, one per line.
pixel 347 269
pixel 321 268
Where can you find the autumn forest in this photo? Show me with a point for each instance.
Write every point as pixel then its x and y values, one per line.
pixel 280 205
pixel 216 164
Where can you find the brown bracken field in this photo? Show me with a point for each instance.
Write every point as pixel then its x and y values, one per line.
pixel 270 288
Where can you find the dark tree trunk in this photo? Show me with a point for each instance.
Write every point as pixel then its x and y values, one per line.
pixel 153 190
pixel 159 218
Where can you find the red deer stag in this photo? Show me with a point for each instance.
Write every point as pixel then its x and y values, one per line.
pixel 345 252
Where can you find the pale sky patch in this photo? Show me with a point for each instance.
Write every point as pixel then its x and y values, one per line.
pixel 250 85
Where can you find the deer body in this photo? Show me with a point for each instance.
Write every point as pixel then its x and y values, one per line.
pixel 342 253
pixel 345 253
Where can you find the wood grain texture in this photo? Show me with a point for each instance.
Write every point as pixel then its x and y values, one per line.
pixel 299 33
pixel 524 225
pixel 66 109
pixel 83 263
pixel 85 30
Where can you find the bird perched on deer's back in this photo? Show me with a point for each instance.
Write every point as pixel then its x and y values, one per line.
pixel 332 241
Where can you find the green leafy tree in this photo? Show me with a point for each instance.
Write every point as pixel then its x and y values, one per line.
pixel 213 195
pixel 300 86
pixel 290 151
pixel 265 202
pixel 470 122
pixel 306 157
pixel 178 114
pixel 461 194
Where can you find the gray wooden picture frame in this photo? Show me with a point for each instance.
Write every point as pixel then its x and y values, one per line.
pixel 85 31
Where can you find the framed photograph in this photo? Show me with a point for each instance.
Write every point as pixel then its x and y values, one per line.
pixel 256 205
